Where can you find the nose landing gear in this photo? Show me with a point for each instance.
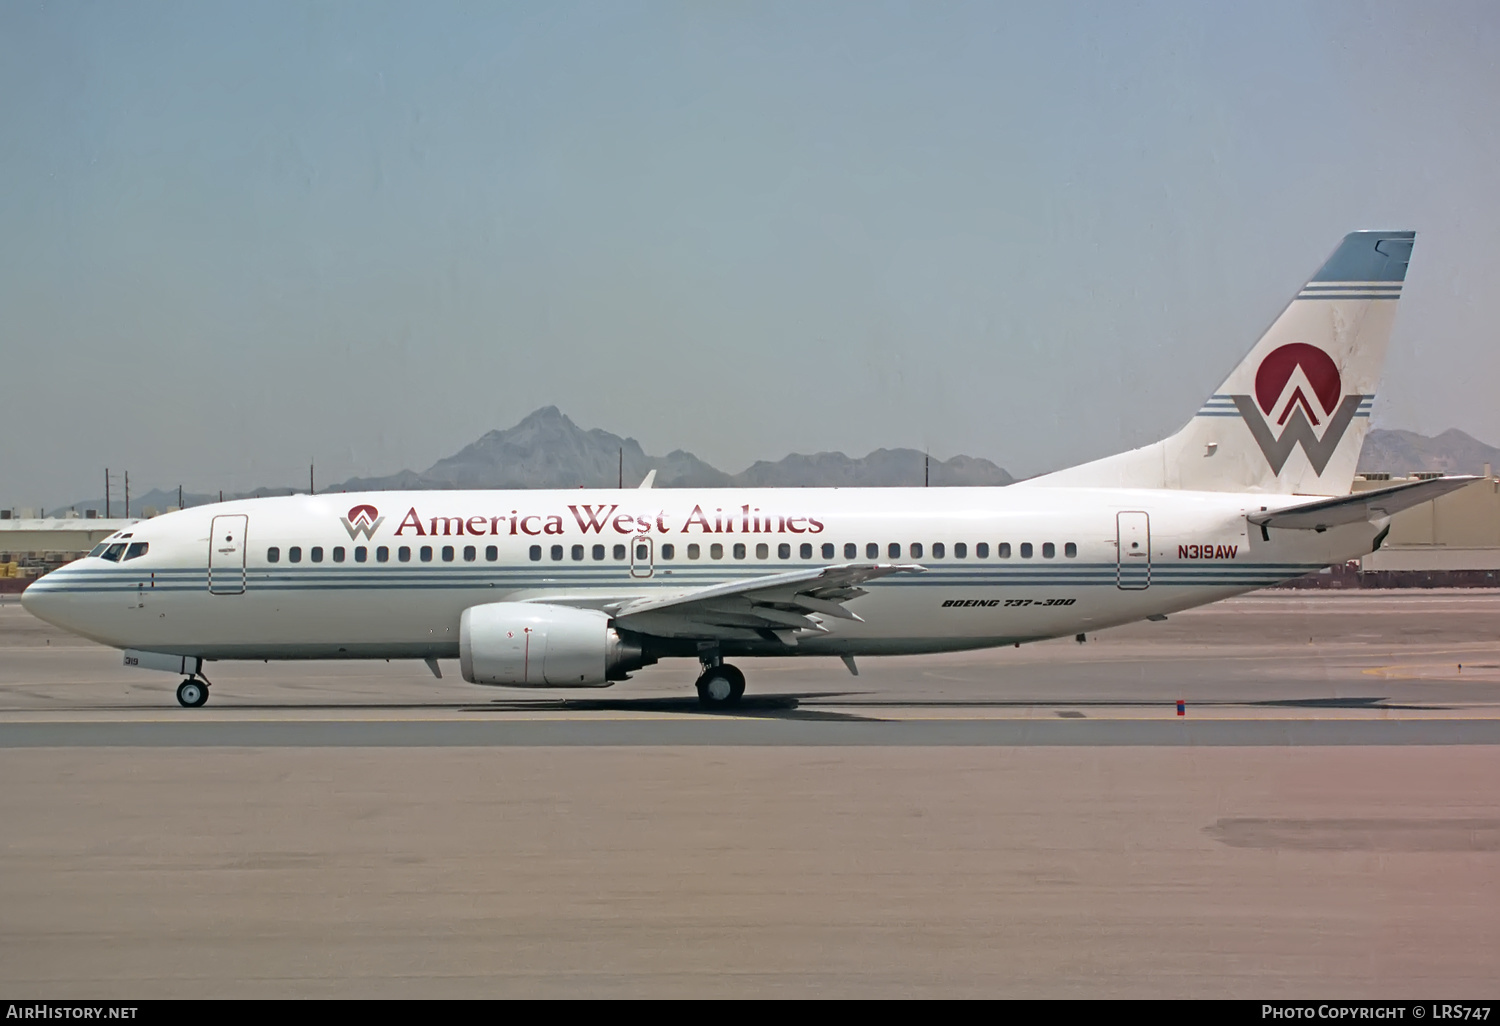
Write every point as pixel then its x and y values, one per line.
pixel 192 692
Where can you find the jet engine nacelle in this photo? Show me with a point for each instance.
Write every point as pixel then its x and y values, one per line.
pixel 527 644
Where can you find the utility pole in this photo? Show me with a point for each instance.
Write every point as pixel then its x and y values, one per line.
pixel 106 493
pixel 622 466
pixel 127 495
pixel 179 496
pixel 926 469
pixel 310 489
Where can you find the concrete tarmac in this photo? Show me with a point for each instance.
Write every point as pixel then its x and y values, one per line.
pixel 1032 822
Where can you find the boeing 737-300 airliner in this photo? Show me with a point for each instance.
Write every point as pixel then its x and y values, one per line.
pixel 575 589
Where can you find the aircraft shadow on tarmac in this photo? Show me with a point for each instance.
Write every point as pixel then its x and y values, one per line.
pixel 847 705
pixel 781 707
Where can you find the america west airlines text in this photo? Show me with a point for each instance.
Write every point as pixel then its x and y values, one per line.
pixel 599 519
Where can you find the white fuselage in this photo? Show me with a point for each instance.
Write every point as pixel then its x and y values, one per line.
pixel 1002 565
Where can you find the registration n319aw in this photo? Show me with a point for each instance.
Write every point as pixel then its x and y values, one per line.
pixel 576 589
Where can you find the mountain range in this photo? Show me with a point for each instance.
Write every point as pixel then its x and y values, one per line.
pixel 547 450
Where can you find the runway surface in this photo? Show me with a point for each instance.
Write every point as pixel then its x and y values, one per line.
pixel 1322 822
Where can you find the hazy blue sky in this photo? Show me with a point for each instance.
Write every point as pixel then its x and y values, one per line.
pixel 235 236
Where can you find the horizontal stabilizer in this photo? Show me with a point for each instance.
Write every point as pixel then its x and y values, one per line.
pixel 1361 506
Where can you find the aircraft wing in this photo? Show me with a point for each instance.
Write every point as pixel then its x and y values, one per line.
pixel 779 605
pixel 1321 514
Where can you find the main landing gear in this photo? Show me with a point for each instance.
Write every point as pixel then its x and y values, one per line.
pixel 720 686
pixel 192 692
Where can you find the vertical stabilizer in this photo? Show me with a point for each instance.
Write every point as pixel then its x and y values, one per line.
pixel 1292 417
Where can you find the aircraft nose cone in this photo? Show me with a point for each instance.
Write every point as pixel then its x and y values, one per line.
pixel 35 600
pixel 44 600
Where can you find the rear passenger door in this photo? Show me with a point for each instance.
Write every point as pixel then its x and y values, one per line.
pixel 1133 555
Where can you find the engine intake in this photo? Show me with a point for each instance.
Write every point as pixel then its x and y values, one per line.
pixel 526 644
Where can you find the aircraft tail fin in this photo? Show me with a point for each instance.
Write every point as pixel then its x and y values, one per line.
pixel 1292 417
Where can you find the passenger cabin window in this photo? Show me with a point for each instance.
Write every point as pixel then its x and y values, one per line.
pixel 762 551
pixel 577 553
pixel 1004 550
pixel 359 553
pixel 294 554
pixel 693 550
pixel 492 553
pixel 851 550
pixel 273 555
pixel 739 550
pixel 960 550
pixel 916 550
pixel 1070 550
pixel 784 551
pixel 982 550
pixel 716 551
pixel 667 551
pixel 137 549
pixel 1048 550
pixel 403 554
pixel 895 550
pixel 618 552
pixel 535 553
pixel 557 553
pixel 872 551
pixel 938 550
pixel 448 554
pixel 642 553
pixel 338 553
pixel 425 553
pixel 315 553
pixel 471 554
pixel 1026 550
pixel 383 554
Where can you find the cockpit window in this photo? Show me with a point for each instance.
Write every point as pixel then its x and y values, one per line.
pixel 98 550
pixel 113 552
pixel 137 549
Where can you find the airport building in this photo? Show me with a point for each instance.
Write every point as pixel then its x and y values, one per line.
pixel 32 545
pixel 1457 532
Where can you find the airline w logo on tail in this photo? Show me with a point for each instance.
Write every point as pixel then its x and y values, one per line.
pixel 1300 414
pixel 362 520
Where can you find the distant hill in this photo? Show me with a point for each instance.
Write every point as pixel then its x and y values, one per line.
pixel 547 450
pixel 1406 452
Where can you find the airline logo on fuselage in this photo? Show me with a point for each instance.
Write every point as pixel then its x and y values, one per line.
pixel 1299 414
pixel 362 520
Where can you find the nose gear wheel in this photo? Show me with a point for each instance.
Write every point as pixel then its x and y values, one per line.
pixel 192 693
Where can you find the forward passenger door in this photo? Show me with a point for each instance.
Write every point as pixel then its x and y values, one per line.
pixel 226 554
